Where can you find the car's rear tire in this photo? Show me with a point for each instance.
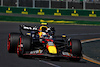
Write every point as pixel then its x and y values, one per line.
pixel 12 42
pixel 76 49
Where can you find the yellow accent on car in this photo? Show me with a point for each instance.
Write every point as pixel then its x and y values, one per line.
pixel 28 33
pixel 39 50
pixel 40 33
pixel 52 49
pixel 42 27
pixel 18 45
pixel 63 35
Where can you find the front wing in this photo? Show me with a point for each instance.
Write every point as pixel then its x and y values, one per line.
pixel 51 55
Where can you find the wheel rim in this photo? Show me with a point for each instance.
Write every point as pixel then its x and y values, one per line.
pixel 8 43
pixel 18 48
pixel 71 48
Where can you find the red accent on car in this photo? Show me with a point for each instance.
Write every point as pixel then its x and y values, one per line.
pixel 49 40
pixel 19 48
pixel 43 41
pixel 71 48
pixel 71 56
pixel 66 56
pixel 8 43
pixel 20 44
pixel 54 46
pixel 47 46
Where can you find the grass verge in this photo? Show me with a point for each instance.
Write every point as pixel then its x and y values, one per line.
pixel 61 21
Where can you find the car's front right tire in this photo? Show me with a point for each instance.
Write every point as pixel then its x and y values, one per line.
pixel 24 45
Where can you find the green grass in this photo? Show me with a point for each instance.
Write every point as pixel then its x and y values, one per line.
pixel 19 19
pixel 30 19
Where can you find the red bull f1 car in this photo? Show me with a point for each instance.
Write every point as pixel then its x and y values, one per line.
pixel 42 42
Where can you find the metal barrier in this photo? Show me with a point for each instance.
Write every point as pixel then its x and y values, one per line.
pixel 65 4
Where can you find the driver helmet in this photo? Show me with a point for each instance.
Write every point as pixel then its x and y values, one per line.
pixel 44 29
pixel 48 29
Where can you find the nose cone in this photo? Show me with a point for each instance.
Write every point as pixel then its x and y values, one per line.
pixel 52 49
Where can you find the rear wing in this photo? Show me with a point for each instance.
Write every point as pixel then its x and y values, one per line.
pixel 30 28
pixel 27 28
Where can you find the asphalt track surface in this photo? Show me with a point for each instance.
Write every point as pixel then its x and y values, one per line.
pixel 95 46
pixel 74 31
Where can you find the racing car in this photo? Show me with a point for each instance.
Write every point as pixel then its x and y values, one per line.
pixel 42 42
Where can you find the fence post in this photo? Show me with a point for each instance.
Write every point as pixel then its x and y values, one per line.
pixel 17 3
pixel 84 5
pixel 66 4
pixel 33 3
pixel 49 4
pixel 1 2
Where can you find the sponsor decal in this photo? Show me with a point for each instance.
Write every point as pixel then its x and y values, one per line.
pixel 25 11
pixel 66 53
pixel 36 51
pixel 41 13
pixel 8 10
pixel 57 14
pixel 30 28
pixel 75 13
pixel 93 14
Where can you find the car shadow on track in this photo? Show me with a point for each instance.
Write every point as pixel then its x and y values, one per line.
pixel 55 60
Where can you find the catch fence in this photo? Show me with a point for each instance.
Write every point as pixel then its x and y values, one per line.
pixel 64 4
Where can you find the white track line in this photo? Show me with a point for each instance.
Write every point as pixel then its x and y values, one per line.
pixel 83 34
pixel 54 65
